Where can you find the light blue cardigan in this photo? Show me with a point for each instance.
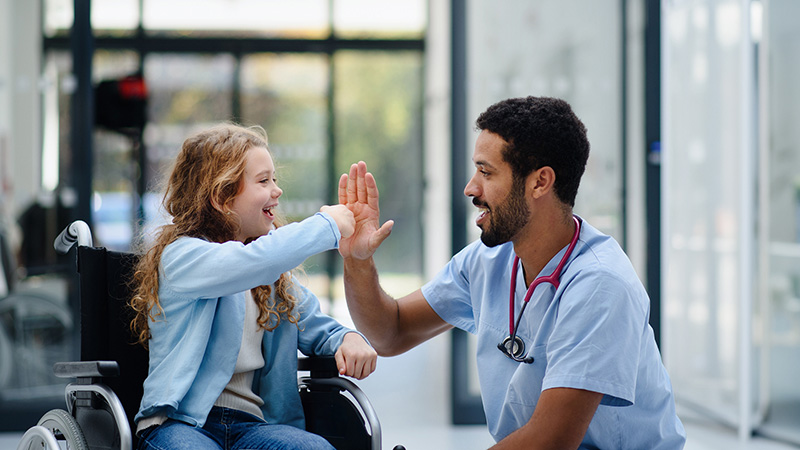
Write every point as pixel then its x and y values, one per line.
pixel 195 344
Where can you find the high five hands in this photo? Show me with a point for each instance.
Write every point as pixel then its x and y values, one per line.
pixel 359 193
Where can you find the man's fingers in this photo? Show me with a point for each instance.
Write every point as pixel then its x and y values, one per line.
pixel 361 185
pixel 382 233
pixel 343 189
pixel 371 190
pixel 352 196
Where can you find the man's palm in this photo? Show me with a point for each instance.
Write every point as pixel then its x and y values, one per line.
pixel 359 192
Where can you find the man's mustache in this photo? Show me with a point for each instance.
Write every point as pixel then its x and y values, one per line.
pixel 479 203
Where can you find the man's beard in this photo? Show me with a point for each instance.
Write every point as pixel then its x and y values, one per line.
pixel 506 219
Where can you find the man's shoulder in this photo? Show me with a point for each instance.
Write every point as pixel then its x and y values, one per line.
pixel 477 249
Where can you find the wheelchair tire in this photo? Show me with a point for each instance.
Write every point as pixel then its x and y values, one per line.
pixel 63 426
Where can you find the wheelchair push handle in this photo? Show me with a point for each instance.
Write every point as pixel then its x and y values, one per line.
pixel 77 232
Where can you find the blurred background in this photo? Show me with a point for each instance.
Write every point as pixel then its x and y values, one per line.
pixel 690 107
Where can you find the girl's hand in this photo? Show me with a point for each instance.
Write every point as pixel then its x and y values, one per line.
pixel 355 358
pixel 343 217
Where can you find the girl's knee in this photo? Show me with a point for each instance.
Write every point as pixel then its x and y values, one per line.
pixel 284 437
pixel 174 435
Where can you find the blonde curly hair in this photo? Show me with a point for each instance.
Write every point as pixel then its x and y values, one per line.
pixel 207 172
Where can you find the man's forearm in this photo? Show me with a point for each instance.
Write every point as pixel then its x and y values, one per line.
pixel 373 311
pixel 560 421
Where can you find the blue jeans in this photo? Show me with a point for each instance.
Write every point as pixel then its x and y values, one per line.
pixel 230 429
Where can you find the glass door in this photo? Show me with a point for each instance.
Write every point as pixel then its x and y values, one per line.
pixel 710 308
pixel 552 48
pixel 780 187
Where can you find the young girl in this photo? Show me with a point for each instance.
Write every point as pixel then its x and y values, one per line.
pixel 219 311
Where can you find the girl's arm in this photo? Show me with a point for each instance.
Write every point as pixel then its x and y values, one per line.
pixel 202 269
pixel 320 334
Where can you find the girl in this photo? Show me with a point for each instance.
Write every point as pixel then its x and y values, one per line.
pixel 221 315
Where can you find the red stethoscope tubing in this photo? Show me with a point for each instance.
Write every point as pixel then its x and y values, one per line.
pixel 553 278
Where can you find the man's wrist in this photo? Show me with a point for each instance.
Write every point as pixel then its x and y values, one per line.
pixel 353 263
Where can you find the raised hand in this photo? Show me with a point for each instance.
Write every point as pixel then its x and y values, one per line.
pixel 359 192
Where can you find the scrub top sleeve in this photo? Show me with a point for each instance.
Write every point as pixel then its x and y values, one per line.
pixel 597 338
pixel 448 293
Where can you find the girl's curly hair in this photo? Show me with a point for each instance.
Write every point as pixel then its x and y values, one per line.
pixel 207 172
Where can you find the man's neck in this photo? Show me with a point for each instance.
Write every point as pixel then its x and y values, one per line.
pixel 541 240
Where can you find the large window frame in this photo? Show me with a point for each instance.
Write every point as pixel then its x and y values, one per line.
pixel 80 43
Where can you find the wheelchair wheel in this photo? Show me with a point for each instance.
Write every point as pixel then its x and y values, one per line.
pixel 64 427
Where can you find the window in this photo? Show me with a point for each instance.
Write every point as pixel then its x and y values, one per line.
pixel 329 86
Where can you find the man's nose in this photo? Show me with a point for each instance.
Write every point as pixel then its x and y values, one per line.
pixel 471 189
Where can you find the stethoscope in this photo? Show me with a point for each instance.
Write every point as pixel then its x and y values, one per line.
pixel 513 346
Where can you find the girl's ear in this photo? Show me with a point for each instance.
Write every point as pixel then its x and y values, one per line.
pixel 215 203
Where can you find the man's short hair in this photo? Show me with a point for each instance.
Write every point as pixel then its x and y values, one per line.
pixel 541 131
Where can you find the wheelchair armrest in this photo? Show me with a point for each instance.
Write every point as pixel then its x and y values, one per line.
pixel 83 369
pixel 319 366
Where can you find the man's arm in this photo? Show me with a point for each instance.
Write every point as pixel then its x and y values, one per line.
pixel 560 421
pixel 392 326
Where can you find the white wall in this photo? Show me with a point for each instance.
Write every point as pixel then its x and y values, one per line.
pixel 5 100
pixel 437 217
pixel 568 49
pixel 20 110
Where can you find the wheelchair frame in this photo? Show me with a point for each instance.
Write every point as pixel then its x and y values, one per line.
pixel 90 394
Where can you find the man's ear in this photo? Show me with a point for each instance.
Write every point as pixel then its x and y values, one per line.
pixel 541 181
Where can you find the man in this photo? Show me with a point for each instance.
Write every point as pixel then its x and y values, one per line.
pixel 579 368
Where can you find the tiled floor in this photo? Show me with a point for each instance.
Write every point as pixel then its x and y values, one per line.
pixel 410 396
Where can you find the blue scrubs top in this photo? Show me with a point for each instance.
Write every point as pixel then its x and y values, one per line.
pixel 591 333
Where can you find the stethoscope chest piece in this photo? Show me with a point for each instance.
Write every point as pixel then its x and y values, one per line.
pixel 514 347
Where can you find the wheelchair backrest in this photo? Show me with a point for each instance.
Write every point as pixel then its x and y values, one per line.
pixel 105 289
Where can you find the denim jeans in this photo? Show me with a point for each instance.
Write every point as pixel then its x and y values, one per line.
pixel 229 429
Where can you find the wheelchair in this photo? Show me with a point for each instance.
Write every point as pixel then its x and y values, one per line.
pixel 102 402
